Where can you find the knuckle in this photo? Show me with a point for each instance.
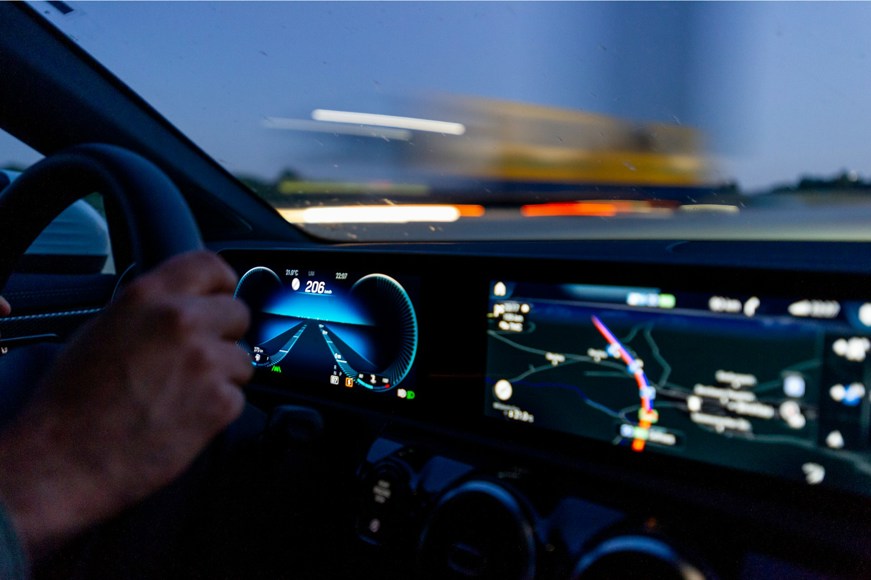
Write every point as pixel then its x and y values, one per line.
pixel 242 308
pixel 139 292
pixel 215 266
pixel 238 311
pixel 239 368
pixel 247 369
pixel 226 404
pixel 199 358
pixel 176 319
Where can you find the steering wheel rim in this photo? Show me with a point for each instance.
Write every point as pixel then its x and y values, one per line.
pixel 159 221
pixel 160 226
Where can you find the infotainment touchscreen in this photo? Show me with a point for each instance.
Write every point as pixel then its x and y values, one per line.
pixel 331 328
pixel 755 382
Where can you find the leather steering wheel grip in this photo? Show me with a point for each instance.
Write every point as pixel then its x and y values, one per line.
pixel 159 221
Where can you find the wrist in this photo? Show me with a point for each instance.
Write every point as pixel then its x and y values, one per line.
pixel 47 499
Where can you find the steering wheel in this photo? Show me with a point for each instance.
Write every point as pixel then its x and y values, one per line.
pixel 160 226
pixel 159 221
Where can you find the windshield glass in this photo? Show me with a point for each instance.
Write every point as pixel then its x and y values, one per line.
pixel 612 119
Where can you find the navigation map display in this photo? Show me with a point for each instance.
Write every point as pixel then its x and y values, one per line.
pixel 758 383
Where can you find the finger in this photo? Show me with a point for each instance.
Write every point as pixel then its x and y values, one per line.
pixel 232 404
pixel 221 315
pixel 214 384
pixel 199 272
pixel 235 363
pixel 205 417
pixel 232 372
pixel 5 308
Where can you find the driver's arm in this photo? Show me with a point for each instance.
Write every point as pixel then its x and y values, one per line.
pixel 130 402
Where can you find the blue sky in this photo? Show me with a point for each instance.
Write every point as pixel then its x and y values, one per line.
pixel 778 89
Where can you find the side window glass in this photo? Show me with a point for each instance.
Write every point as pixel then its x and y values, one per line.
pixel 77 241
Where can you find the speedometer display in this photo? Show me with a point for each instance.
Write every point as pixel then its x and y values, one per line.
pixel 336 328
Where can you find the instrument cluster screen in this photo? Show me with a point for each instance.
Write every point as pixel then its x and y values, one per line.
pixel 339 329
pixel 759 383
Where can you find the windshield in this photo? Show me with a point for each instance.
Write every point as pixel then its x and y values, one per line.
pixel 667 115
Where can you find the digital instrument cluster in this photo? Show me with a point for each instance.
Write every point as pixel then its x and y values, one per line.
pixel 331 328
pixel 759 383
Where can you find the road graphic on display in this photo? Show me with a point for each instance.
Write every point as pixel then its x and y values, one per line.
pixel 259 357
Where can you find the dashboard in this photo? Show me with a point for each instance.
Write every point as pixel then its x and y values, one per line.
pixel 580 417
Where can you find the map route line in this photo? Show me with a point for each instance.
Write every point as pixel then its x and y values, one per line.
pixel 646 330
pixel 625 412
pixel 646 415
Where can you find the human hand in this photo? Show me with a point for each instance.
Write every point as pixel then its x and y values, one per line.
pixel 134 398
pixel 5 308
